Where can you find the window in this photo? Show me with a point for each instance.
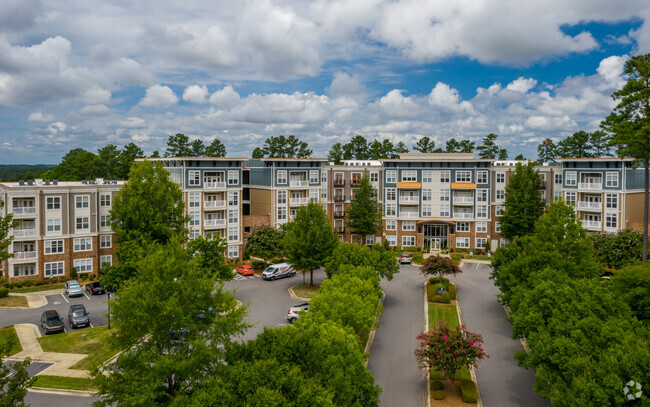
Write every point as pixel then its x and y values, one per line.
pixel 391 194
pixel 481 227
pixel 462 227
pixel 558 178
pixel 282 197
pixel 497 227
pixel 104 221
pixel 445 176
pixel 54 225
pixel 105 200
pixel 233 215
pixel 370 240
pixel 501 178
pixel 391 209
pixel 53 246
pixel 611 201
pixel 481 211
pixel 282 213
pixel 426 195
pixel 501 194
pixel 83 244
pixel 408 241
pixel 281 177
pixel 444 195
pixel 409 176
pixel 356 178
pixel 194 199
pixel 24 270
pixel 571 179
pixel 54 268
pixel 195 218
pixel 503 242
pixel 444 210
pixel 462 242
pixel 323 194
pixel 426 210
pixel 391 176
pixel 499 210
pixel 53 202
pixel 481 195
pixel 233 198
pixel 233 177
pixel 482 177
pixel 313 195
pixel 105 261
pixel 194 178
pixel 82 223
pixel 323 177
pixel 570 197
pixel 105 241
pixel 557 195
pixel 233 251
pixel 463 176
pixel 427 176
pixel 82 201
pixel 193 234
pixel 610 220
pixel 233 233
pixel 356 239
pixel 480 242
pixel 391 225
pixel 611 179
pixel 408 225
pixel 374 177
pixel 83 265
pixel 392 240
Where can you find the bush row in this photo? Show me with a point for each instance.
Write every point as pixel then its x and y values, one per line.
pixel 432 290
pixel 44 281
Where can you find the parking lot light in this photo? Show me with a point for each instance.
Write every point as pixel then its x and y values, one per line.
pixel 108 293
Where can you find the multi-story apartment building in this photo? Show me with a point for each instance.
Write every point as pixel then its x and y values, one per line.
pixel 61 225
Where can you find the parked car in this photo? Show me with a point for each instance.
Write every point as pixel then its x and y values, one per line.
pixel 51 322
pixel 405 259
pixel 245 270
pixel 73 288
pixel 78 316
pixel 275 271
pixel 293 313
pixel 95 288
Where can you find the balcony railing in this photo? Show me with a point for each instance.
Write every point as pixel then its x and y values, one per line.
pixel 591 224
pixel 208 205
pixel 298 201
pixel 463 200
pixel 593 206
pixel 24 255
pixel 409 215
pixel 463 215
pixel 24 232
pixel 211 223
pixel 24 210
pixel 339 182
pixel 409 198
pixel 339 214
pixel 214 185
pixel 591 185
pixel 339 198
pixel 298 183
pixel 542 184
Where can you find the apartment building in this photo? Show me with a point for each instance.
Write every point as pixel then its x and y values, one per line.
pixel 61 225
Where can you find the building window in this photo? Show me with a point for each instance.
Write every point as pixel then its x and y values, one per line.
pixel 558 178
pixel 281 177
pixel 426 210
pixel 391 176
pixel 194 178
pixel 571 179
pixel 233 198
pixel 82 201
pixel 194 234
pixel 444 210
pixel 313 176
pixel 501 178
pixel 83 244
pixel 313 195
pixel 426 195
pixel 462 242
pixel 444 195
pixel 557 195
pixel 195 218
pixel 570 197
pixel 610 220
pixel 370 240
pixel 481 227
pixel 481 195
pixel 323 177
pixel 356 239
pixel 356 178
pixel 53 246
pixel 233 251
pixel 233 233
pixel 392 240
pixel 105 200
pixel 282 197
pixel 323 194
pixel 83 265
pixel 463 176
pixel 104 221
pixel 499 210
pixel 408 241
pixel 480 242
pixel 391 225
pixel 501 194
pixel 408 225
pixel 82 223
pixel 53 202
pixel 445 176
pixel 282 213
pixel 105 261
pixel 374 177
pixel 54 225
pixel 194 199
pixel 482 177
pixel 409 176
pixel 497 227
pixel 611 179
pixel 462 227
pixel 391 194
pixel 233 177
pixel 611 201
pixel 105 241
pixel 427 176
pixel 233 215
pixel 391 209
pixel 481 211
pixel 54 268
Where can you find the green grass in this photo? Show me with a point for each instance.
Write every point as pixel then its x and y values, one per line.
pixel 8 334
pixel 67 383
pixel 13 301
pixel 37 288
pixel 463 374
pixel 442 312
pixel 306 290
pixel 468 391
pixel 479 257
pixel 96 346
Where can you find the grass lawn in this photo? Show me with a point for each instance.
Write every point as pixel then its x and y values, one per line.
pixel 442 312
pixel 13 301
pixel 96 345
pixel 68 383
pixel 306 290
pixel 8 334
pixel 479 257
pixel 37 288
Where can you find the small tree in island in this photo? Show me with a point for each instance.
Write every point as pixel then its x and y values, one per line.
pixel 440 266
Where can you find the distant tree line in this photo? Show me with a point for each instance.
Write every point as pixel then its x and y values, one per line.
pixel 9 173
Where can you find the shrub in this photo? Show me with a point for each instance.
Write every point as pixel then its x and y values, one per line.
pixel 257 264
pixel 438 394
pixel 277 261
pixel 437 385
pixel 451 291
pixel 456 257
pixel 440 280
pixel 2 281
pixel 18 284
pixel 417 258
pixel 39 281
pixel 73 273
pixel 440 266
pixel 4 291
pixel 28 283
pixel 386 245
pixel 468 391
pixel 440 299
pixel 618 250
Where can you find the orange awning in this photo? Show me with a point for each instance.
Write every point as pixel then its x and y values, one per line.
pixel 461 185
pixel 409 185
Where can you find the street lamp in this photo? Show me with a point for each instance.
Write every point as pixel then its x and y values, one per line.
pixel 108 293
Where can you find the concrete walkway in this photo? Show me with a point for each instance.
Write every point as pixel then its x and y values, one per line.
pixel 37 299
pixel 28 336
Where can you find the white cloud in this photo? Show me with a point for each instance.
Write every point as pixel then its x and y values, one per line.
pixel 225 97
pixel 159 96
pixel 95 110
pixel 522 84
pixel 195 94
pixel 611 68
pixel 344 85
pixel 39 117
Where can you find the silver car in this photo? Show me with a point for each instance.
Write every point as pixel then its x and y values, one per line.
pixel 405 259
pixel 293 313
pixel 73 288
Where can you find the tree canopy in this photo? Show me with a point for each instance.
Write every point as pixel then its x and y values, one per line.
pixel 523 204
pixel 14 379
pixel 440 266
pixel 425 145
pixel 463 146
pixel 265 242
pixel 282 147
pixel 547 151
pixel 363 215
pixel 489 148
pixel 179 145
pixel 377 258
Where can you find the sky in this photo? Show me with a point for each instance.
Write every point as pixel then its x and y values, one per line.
pixel 86 73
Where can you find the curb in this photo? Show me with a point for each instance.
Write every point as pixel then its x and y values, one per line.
pixel 294 296
pixel 371 335
pixel 427 381
pixel 523 341
pixel 62 392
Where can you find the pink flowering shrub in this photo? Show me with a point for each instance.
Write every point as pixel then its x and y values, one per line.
pixel 448 350
pixel 436 265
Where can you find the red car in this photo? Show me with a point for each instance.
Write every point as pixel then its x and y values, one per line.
pixel 245 270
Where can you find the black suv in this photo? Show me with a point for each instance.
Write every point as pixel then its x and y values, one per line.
pixel 51 322
pixel 94 288
pixel 78 316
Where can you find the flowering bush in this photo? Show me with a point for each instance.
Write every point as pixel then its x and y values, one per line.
pixel 448 350
pixel 436 265
pixel 618 250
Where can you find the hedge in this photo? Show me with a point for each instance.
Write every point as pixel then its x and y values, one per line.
pixel 436 385
pixel 438 394
pixel 468 391
pixel 4 292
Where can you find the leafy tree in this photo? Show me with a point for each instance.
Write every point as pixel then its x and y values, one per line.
pixel 356 149
pixel 440 266
pixel 364 216
pixel 489 148
pixel 523 205
pixel 265 242
pixel 109 156
pixel 14 379
pixel 466 146
pixel 78 164
pixel 155 154
pixel 425 145
pixel 520 157
pixel 377 258
pixel 448 350
pixel 401 148
pixel 503 154
pixel 257 153
pixel 7 224
pixel 309 239
pixel 178 145
pixel 127 158
pixel 452 146
pixel 633 286
pixel 629 125
pixel 618 250
pixel 173 326
pixel 383 149
pixel 576 146
pixel 197 148
pixel 283 147
pixel 335 155
pixel 547 151
pixel 600 143
pixel 209 255
pixel 215 149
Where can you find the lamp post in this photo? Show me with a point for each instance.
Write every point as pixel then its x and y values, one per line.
pixel 108 293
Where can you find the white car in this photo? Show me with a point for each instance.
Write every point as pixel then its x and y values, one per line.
pixel 73 288
pixel 293 313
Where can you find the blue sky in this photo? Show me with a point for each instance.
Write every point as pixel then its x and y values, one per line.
pixel 85 73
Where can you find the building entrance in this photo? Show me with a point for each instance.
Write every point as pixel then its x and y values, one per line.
pixel 436 236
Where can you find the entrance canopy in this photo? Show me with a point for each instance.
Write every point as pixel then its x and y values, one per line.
pixel 436 222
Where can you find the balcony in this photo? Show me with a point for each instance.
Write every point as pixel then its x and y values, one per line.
pixel 542 184
pixel 214 223
pixel 24 232
pixel 591 186
pixel 24 255
pixel 591 224
pixel 590 206
pixel 24 210
pixel 298 184
pixel 338 182
pixel 339 198
pixel 339 214
pixel 410 215
pixel 463 200
pixel 298 201
pixel 463 215
pixel 214 205
pixel 409 198
pixel 214 185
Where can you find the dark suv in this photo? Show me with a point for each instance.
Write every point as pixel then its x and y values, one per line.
pixel 78 316
pixel 51 322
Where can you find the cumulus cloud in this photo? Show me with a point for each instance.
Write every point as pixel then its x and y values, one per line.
pixel 95 110
pixel 522 84
pixel 159 96
pixel 195 94
pixel 225 97
pixel 39 117
pixel 344 85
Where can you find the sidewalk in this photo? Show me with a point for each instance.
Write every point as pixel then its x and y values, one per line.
pixel 37 299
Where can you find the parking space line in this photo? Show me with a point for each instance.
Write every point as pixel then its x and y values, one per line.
pixel 66 300
pixel 86 295
pixel 91 324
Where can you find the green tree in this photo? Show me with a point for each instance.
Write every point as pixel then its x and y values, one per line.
pixel 197 148
pixel 520 157
pixel 357 149
pixel 425 145
pixel 503 154
pixel 401 148
pixel 209 255
pixel 523 205
pixel 466 146
pixel 155 154
pixel 629 125
pixel 173 326
pixel 265 242
pixel 452 146
pixel 309 239
pixel 283 147
pixel 127 158
pixel 381 149
pixel 633 286
pixel 78 164
pixel 257 153
pixel 109 156
pixel 440 266
pixel 178 145
pixel 378 259
pixel 14 379
pixel 215 149
pixel 7 224
pixel 546 151
pixel 335 155
pixel 600 143
pixel 575 146
pixel 364 216
pixel 489 148
pixel 618 250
